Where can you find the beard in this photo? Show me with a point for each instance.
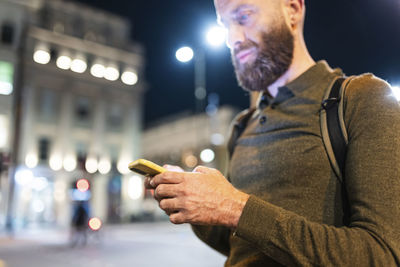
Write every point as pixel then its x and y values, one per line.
pixel 273 59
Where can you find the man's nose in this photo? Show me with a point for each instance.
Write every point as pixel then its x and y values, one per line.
pixel 236 36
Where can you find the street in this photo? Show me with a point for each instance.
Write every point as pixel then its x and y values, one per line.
pixel 137 245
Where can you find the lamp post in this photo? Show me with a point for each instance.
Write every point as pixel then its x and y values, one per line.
pixel 215 37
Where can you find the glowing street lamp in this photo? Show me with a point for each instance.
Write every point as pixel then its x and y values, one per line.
pixel 41 56
pixel 184 54
pixel 111 73
pixel 91 165
pixel 129 77
pixel 215 36
pixel 79 65
pixel 64 62
pixel 98 70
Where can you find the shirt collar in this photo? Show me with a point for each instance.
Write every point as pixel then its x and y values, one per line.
pixel 310 77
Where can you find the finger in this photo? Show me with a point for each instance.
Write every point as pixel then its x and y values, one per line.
pixel 147 184
pixel 173 168
pixel 167 177
pixel 206 170
pixel 169 212
pixel 169 205
pixel 202 169
pixel 165 191
pixel 177 218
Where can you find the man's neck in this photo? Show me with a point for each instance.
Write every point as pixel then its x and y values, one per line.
pixel 302 61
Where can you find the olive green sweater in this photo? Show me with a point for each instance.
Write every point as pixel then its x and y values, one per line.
pixel 296 215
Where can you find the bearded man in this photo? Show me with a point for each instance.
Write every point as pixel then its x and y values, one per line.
pixel 282 204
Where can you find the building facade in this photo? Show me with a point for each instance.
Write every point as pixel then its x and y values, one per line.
pixel 77 80
pixel 188 141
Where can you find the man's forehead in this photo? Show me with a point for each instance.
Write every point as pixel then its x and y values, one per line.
pixel 221 3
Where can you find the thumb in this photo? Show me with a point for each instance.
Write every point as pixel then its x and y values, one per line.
pixel 173 168
pixel 202 169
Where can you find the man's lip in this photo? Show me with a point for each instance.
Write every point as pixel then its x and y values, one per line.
pixel 244 54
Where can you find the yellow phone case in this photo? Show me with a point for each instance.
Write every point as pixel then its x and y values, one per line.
pixel 146 167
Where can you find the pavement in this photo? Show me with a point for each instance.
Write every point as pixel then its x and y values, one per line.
pixel 133 245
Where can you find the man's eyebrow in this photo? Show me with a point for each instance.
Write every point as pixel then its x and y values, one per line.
pixel 240 8
pixel 233 13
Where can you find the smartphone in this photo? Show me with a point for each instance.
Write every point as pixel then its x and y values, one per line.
pixel 146 167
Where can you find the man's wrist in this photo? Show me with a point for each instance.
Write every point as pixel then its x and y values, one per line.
pixel 236 208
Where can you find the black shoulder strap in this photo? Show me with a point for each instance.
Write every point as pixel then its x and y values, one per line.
pixel 332 126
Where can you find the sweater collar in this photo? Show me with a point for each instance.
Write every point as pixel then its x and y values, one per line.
pixel 314 75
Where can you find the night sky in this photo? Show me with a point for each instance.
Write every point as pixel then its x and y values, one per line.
pixel 356 35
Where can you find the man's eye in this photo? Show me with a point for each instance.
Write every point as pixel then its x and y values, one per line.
pixel 242 18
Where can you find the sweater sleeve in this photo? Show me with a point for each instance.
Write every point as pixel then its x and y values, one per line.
pixel 216 237
pixel 372 181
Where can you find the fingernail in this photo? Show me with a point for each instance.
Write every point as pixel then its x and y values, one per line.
pixel 152 183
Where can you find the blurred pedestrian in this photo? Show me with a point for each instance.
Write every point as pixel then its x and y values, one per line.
pixel 79 224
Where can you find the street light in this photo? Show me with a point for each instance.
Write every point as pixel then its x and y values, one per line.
pixel 129 77
pixel 79 64
pixel 215 36
pixel 184 54
pixel 111 73
pixel 98 70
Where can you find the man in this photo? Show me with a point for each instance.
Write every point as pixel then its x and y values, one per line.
pixel 283 204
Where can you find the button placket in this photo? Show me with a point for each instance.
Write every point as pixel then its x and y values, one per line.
pixel 263 119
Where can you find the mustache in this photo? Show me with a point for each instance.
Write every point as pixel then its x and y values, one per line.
pixel 244 46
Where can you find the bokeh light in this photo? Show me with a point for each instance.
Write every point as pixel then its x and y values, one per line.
pixel 82 185
pixel 184 54
pixel 41 56
pixel 216 36
pixel 95 224
pixel 207 155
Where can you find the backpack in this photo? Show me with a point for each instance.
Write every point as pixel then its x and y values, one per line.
pixel 333 128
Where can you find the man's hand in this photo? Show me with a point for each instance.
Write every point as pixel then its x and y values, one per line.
pixel 203 196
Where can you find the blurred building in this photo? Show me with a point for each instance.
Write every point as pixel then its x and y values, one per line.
pixel 188 141
pixel 77 79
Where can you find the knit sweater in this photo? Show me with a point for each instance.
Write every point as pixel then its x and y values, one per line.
pixel 295 215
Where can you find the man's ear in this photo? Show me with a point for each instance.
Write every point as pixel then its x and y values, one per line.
pixel 295 11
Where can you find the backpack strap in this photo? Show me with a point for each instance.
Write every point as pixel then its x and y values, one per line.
pixel 333 128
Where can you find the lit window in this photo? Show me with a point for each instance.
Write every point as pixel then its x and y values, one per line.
pixel 6 78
